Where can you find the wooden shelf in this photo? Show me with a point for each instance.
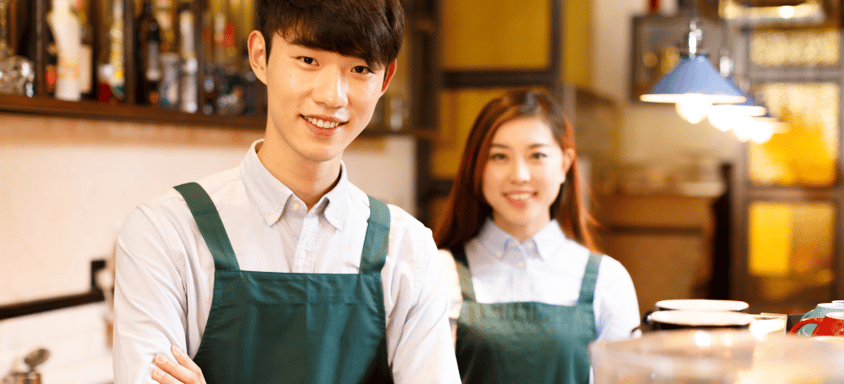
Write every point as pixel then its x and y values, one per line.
pixel 86 109
pixel 121 112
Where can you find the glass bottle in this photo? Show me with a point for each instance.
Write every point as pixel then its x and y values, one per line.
pixel 209 87
pixel 116 78
pixel 17 73
pixel 104 70
pixel 147 49
pixel 85 49
pixel 66 27
pixel 27 46
pixel 188 84
pixel 165 15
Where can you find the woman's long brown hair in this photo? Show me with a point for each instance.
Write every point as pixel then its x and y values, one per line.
pixel 467 208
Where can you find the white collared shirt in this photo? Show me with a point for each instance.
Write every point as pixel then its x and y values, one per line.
pixel 546 268
pixel 165 273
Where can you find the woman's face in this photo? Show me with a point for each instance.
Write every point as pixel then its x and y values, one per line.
pixel 523 174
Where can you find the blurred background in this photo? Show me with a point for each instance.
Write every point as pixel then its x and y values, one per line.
pixel 105 104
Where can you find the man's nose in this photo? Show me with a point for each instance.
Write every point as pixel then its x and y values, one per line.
pixel 331 88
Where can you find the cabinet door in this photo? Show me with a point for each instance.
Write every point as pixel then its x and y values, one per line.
pixel 788 191
pixel 484 48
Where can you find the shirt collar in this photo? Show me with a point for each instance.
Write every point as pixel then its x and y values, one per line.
pixel 545 243
pixel 549 240
pixel 271 195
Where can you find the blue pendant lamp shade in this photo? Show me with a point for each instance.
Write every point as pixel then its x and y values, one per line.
pixel 696 76
pixel 727 116
pixel 748 108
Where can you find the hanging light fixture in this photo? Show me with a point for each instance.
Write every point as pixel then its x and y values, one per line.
pixel 767 126
pixel 693 85
pixel 725 116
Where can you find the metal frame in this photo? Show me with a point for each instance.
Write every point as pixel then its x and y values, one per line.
pixel 745 193
pixel 430 187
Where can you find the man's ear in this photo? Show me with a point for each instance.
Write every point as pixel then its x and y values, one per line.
pixel 388 76
pixel 258 55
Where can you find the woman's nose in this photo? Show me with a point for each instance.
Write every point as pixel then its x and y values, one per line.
pixel 519 171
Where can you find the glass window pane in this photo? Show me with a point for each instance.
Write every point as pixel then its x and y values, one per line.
pixel 795 48
pixel 805 151
pixel 479 36
pixel 458 110
pixel 790 252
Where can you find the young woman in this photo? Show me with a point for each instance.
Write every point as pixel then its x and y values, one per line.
pixel 529 291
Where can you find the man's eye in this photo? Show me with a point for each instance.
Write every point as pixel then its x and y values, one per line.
pixel 307 60
pixel 361 69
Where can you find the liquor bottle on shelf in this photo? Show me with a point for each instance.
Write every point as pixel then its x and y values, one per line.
pixel 188 81
pixel 209 88
pixel 168 87
pixel 86 51
pixel 27 46
pixel 17 73
pixel 147 49
pixel 103 65
pixel 165 14
pixel 110 71
pixel 230 87
pixel 66 29
pixel 117 77
pixel 251 88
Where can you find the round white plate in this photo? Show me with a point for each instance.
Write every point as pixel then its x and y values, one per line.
pixel 702 318
pixel 702 305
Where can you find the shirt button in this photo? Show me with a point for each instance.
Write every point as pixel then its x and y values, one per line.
pixel 295 206
pixel 521 265
pixel 272 216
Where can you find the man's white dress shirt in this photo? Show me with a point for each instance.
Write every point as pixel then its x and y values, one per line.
pixel 165 273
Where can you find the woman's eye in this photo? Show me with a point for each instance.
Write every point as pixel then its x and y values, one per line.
pixel 497 156
pixel 361 69
pixel 539 155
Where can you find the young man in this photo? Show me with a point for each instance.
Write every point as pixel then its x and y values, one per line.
pixel 281 270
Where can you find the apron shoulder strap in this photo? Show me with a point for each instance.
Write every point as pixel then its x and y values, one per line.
pixel 463 273
pixel 377 237
pixel 590 277
pixel 210 225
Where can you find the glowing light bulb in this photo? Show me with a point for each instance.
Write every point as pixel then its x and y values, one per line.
pixel 693 107
pixel 742 132
pixel 721 120
pixel 786 11
pixel 761 132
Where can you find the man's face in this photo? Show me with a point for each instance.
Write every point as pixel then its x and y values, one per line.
pixel 319 101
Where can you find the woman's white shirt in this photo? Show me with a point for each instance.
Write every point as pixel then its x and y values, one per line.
pixel 546 268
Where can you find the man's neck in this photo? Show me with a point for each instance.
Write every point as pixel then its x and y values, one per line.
pixel 308 180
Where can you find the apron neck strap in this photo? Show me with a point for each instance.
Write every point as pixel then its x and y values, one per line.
pixel 465 277
pixel 210 226
pixel 377 237
pixel 590 277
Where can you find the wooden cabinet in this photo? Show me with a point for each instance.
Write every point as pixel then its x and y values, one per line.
pixel 34 13
pixel 663 240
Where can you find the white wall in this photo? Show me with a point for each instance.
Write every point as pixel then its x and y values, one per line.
pixel 67 185
pixel 647 132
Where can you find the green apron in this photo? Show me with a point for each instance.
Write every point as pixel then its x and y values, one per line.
pixel 268 327
pixel 525 342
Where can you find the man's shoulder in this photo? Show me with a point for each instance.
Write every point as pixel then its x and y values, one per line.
pixel 403 226
pixel 214 185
